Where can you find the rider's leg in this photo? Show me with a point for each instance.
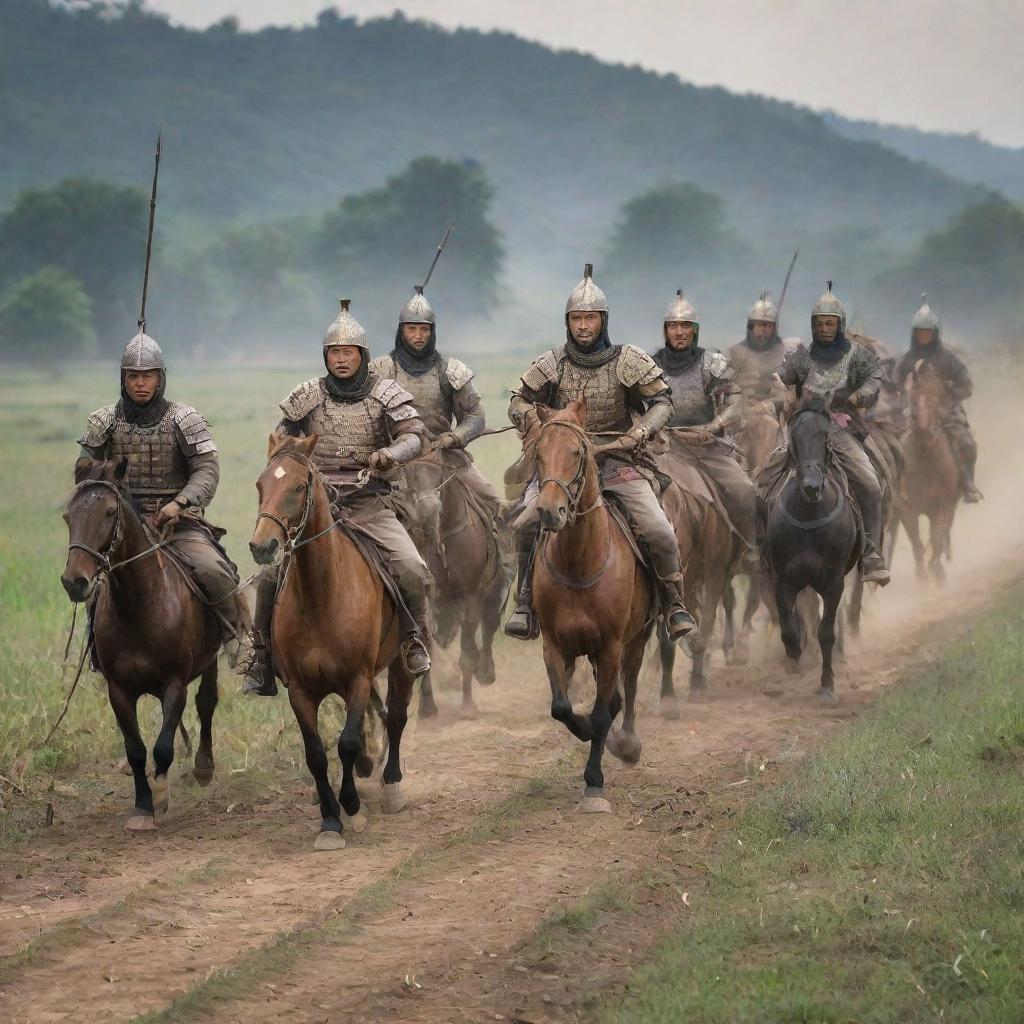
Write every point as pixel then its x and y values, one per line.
pixel 522 623
pixel 738 495
pixel 481 487
pixel 259 677
pixel 966 450
pixel 864 483
pixel 656 534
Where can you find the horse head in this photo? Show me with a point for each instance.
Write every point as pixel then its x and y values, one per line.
pixel 929 399
pixel 285 489
pixel 94 515
pixel 418 496
pixel 808 443
pixel 564 455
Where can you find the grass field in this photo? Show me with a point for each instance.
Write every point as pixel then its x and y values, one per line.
pixel 884 880
pixel 39 421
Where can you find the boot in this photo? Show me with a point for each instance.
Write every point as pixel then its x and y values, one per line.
pixel 872 565
pixel 679 621
pixel 259 676
pixel 415 648
pixel 233 617
pixel 970 492
pixel 873 568
pixel 522 623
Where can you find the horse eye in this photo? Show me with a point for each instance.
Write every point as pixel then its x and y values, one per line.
pixel 300 488
pixel 110 512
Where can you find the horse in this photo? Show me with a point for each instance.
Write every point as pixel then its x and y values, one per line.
pixel 457 541
pixel 152 633
pixel 931 472
pixel 811 537
pixel 335 626
pixel 591 594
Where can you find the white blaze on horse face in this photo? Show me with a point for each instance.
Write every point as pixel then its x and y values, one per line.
pixel 279 472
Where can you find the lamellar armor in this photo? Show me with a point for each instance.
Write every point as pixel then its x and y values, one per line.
pixel 858 372
pixel 694 389
pixel 754 369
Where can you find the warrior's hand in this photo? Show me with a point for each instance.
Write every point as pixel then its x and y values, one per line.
pixel 707 433
pixel 634 438
pixel 381 460
pixel 853 400
pixel 449 440
pixel 169 513
pixel 528 423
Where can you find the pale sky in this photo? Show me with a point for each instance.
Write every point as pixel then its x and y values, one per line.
pixel 943 65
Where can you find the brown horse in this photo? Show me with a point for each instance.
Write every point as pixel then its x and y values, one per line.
pixel 931 475
pixel 152 634
pixel 592 596
pixel 334 628
pixel 458 542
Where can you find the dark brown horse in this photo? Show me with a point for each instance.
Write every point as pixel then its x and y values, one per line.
pixel 458 542
pixel 931 474
pixel 152 634
pixel 335 627
pixel 591 595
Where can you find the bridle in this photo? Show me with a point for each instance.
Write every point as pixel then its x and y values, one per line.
pixel 829 517
pixel 805 464
pixel 573 489
pixel 293 533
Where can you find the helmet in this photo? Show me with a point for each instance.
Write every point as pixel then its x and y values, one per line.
pixel 586 297
pixel 346 330
pixel 142 353
pixel 925 319
pixel 829 305
pixel 763 309
pixel 417 310
pixel 681 310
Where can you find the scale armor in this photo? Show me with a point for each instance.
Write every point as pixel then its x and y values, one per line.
pixel 346 330
pixel 417 310
pixel 692 405
pixel 432 397
pixel 586 297
pixel 829 305
pixel 754 371
pixel 926 319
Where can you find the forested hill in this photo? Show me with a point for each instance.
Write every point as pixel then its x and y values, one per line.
pixel 284 121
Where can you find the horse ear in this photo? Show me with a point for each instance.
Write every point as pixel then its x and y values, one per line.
pixel 307 444
pixel 544 413
pixel 83 464
pixel 273 443
pixel 119 469
pixel 578 409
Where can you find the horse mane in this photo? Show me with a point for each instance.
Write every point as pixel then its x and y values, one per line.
pixel 812 402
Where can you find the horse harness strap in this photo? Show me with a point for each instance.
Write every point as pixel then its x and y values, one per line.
pixel 814 524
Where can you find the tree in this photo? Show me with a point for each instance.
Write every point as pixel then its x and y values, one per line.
pixel 45 317
pixel 93 230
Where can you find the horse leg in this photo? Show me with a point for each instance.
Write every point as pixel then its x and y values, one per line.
pixel 608 671
pixel 741 655
pixel 306 714
pixel 701 641
pixel 939 530
pixel 490 623
pixel 729 608
pixel 350 747
pixel 126 713
pixel 206 704
pixel 827 638
pixel 428 706
pixel 669 704
pixel 173 702
pixel 400 685
pixel 625 744
pixel 913 528
pixel 561 706
pixel 469 658
pixel 789 625
pixel 856 604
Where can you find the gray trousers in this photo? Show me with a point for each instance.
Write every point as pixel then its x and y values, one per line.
pixel 733 484
pixel 864 483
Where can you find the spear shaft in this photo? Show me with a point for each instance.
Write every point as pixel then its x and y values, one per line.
pixel 785 288
pixel 149 237
pixel 437 255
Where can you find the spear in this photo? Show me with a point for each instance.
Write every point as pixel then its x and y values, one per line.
pixel 437 255
pixel 785 287
pixel 149 238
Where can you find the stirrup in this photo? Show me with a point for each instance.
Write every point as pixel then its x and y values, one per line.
pixel 522 624
pixel 873 570
pixel 259 680
pixel 680 623
pixel 415 656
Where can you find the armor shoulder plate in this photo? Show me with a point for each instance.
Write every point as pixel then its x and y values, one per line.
pixel 458 374
pixel 194 429
pixel 636 367
pixel 303 400
pixel 717 365
pixel 383 366
pixel 98 427
pixel 395 399
pixel 791 345
pixel 543 370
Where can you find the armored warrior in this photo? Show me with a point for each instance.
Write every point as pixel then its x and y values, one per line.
pixel 755 360
pixel 926 344
pixel 173 471
pixel 852 375
pixel 705 396
pixel 443 392
pixel 362 422
pixel 627 395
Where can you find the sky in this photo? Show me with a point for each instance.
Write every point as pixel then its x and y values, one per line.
pixel 940 65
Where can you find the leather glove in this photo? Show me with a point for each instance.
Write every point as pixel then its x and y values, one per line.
pixel 449 440
pixel 381 460
pixel 528 422
pixel 169 513
pixel 634 438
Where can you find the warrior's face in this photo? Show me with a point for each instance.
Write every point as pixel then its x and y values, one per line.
pixel 824 329
pixel 585 327
pixel 343 361
pixel 762 330
pixel 141 385
pixel 416 336
pixel 679 334
pixel 923 336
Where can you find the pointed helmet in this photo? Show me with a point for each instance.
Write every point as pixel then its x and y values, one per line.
pixel 763 309
pixel 681 310
pixel 925 318
pixel 417 310
pixel 346 330
pixel 829 305
pixel 142 353
pixel 586 297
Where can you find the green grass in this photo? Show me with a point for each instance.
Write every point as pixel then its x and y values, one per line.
pixel 884 879
pixel 40 418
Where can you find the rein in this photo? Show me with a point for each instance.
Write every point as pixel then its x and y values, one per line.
pixel 830 517
pixel 292 542
pixel 578 480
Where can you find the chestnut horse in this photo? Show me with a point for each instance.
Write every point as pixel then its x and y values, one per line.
pixel 152 634
pixel 458 542
pixel 931 475
pixel 334 628
pixel 592 596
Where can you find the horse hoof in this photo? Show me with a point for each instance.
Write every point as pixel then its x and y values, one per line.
pixel 161 795
pixel 140 822
pixel 828 697
pixel 327 841
pixel 625 746
pixel 124 767
pixel 364 766
pixel 357 822
pixel 670 708
pixel 593 802
pixel 486 673
pixel 391 799
pixel 204 776
pixel 469 712
pixel 428 709
pixel 793 666
pixel 697 694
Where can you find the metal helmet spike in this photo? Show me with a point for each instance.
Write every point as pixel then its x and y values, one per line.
pixel 763 309
pixel 346 330
pixel 925 318
pixel 829 305
pixel 586 297
pixel 681 310
pixel 417 310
